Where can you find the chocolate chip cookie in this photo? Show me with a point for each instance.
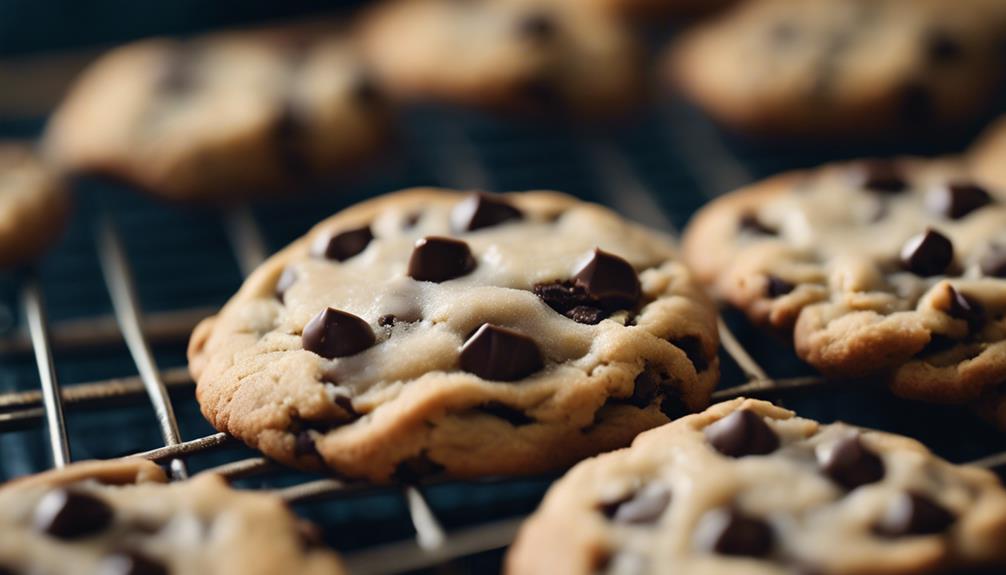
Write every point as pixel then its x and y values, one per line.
pixel 224 116
pixel 559 56
pixel 844 67
pixel 988 155
pixel 894 269
pixel 121 518
pixel 33 205
pixel 747 487
pixel 644 11
pixel 476 334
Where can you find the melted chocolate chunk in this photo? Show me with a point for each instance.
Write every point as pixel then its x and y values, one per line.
pixel 514 417
pixel 303 445
pixel 347 405
pixel 131 563
pixel 334 333
pixel 609 280
pixel 968 309
pixel 387 320
pixel 850 463
pixel 692 346
pixel 345 244
pixel 644 506
pixel 750 223
pixel 415 468
pixel 285 282
pixel 938 343
pixel 927 254
pixel 914 514
pixel 881 176
pixel 742 433
pixel 437 259
pixel 67 514
pixel 730 532
pixel 481 210
pixel 586 314
pixel 776 287
pixel 500 354
pixel 956 200
pixel 993 261
pixel 571 301
pixel 646 388
pixel 673 406
pixel 538 27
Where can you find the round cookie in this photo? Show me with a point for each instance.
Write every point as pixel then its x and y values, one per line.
pixel 559 56
pixel 121 517
pixel 894 269
pixel 429 331
pixel 221 117
pixel 844 67
pixel 33 205
pixel 988 155
pixel 643 10
pixel 747 487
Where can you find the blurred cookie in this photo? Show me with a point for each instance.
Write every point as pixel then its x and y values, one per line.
pixel 643 10
pixel 430 331
pixel 33 205
pixel 747 487
pixel 988 156
pixel 122 518
pixel 844 67
pixel 223 116
pixel 556 56
pixel 894 269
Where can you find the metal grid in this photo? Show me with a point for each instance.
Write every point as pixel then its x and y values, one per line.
pixel 456 162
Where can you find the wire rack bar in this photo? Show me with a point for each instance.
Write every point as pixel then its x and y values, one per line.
pixel 763 388
pixel 995 462
pixel 456 161
pixel 34 311
pixel 184 448
pixel 246 239
pixel 429 533
pixel 243 468
pixel 624 190
pixel 119 279
pixel 102 390
pixel 700 144
pixel 740 355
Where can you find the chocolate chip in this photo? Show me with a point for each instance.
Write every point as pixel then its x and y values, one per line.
pixel 571 301
pixel 750 223
pixel 850 463
pixel 692 346
pixel 415 468
pixel 956 200
pixel 386 320
pixel 645 389
pixel 500 354
pixel 481 210
pixel 776 287
pixel 879 176
pixel 730 532
pixel 927 254
pixel 131 563
pixel 346 404
pixel 365 89
pixel 742 433
pixel 914 514
pixel 303 445
pixel 334 333
pixel 938 343
pixel 586 314
pixel 538 27
pixel 514 417
pixel 345 244
pixel 993 261
pixel 644 506
pixel 411 220
pixel 673 406
pixel 941 47
pixel 437 259
pixel 66 514
pixel 285 282
pixel 966 308
pixel 609 280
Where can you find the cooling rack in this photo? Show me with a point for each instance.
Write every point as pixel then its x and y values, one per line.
pixel 657 170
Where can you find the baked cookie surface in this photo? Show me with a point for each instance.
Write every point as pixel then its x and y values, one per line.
pixel 844 67
pixel 476 334
pixel 747 487
pixel 222 117
pixel 988 155
pixel 557 56
pixel 895 269
pixel 34 206
pixel 121 517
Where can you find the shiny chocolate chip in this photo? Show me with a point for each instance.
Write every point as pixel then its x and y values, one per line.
pixel 481 210
pixel 500 354
pixel 956 200
pixel 850 463
pixel 67 514
pixel 334 333
pixel 644 506
pixel 345 244
pixel 609 280
pixel 285 282
pixel 777 287
pixel 880 176
pixel 742 433
pixel 993 261
pixel 692 346
pixel 514 417
pixel 538 27
pixel 645 389
pixel 927 254
pixel 749 223
pixel 914 514
pixel 571 301
pixel 304 446
pixel 586 314
pixel 131 563
pixel 438 259
pixel 730 532
pixel 965 308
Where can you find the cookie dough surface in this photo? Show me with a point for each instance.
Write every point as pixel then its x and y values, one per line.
pixel 34 206
pixel 988 155
pixel 381 348
pixel 844 67
pixel 224 116
pixel 891 269
pixel 118 517
pixel 747 487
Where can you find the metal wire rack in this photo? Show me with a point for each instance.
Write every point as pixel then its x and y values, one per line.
pixel 456 158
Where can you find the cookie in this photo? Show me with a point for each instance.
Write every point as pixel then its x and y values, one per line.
pixel 222 117
pixel 431 331
pixel 844 67
pixel 33 205
pixel 559 56
pixel 122 517
pixel 643 11
pixel 747 487
pixel 988 155
pixel 889 269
